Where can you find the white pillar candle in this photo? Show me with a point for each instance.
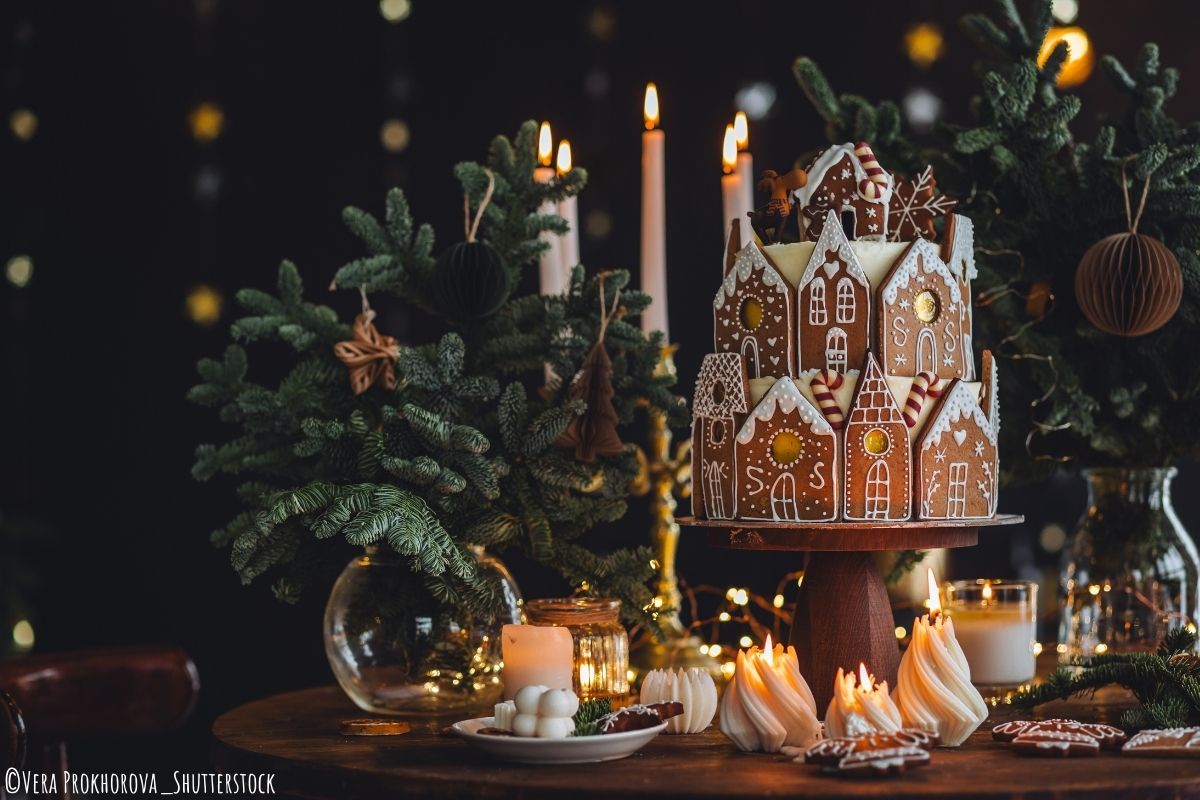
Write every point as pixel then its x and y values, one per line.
pixel 864 708
pixel 745 168
pixel 568 209
pixel 550 280
pixel 536 655
pixel 654 217
pixel 732 195
pixel 768 704
pixel 997 638
pixel 933 685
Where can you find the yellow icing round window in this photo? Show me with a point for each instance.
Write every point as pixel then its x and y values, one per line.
pixel 786 447
pixel 752 313
pixel 927 306
pixel 876 441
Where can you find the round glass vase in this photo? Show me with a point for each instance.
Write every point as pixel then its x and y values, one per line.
pixel 1131 571
pixel 600 640
pixel 395 649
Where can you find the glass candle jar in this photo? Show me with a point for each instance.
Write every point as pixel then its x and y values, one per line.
pixel 600 641
pixel 995 623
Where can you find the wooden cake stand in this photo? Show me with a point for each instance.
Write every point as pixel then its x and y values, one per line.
pixel 843 615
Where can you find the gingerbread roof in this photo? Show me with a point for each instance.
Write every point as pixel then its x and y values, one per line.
pixel 905 271
pixel 750 259
pixel 872 392
pixel 959 248
pixel 828 159
pixel 833 238
pixel 958 404
pixel 785 395
pixel 729 370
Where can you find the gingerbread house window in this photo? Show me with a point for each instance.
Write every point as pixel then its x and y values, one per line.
pixel 956 496
pixel 751 313
pixel 845 302
pixel 716 434
pixel 817 315
pixel 835 349
pixel 879 498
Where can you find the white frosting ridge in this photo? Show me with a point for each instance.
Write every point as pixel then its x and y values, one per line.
pixel 749 258
pixel 906 271
pixel 784 396
pixel 933 686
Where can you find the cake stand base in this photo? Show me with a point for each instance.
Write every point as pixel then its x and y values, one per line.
pixel 843 615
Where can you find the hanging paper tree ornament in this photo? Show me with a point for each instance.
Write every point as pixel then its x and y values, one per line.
pixel 594 432
pixel 470 280
pixel 370 355
pixel 1129 284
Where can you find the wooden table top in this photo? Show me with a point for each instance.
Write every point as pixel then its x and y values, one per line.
pixel 296 736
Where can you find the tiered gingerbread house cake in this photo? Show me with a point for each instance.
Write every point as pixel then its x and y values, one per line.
pixel 843 381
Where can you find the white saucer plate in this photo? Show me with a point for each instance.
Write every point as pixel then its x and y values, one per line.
pixel 572 750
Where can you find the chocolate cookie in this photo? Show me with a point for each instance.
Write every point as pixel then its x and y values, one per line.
pixel 1050 743
pixel 830 752
pixel 1165 743
pixel 877 763
pixel 633 718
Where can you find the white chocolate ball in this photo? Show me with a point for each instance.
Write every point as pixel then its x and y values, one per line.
pixel 558 703
pixel 555 727
pixel 525 725
pixel 527 698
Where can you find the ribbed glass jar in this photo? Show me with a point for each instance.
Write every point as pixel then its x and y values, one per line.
pixel 601 642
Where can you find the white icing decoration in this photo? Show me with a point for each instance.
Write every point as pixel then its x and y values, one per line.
pixel 962 248
pixel 749 259
pixel 725 368
pixel 906 271
pixel 826 160
pixel 833 238
pixel 694 688
pixel 960 436
pixel 785 395
pixel 933 684
pixel 959 405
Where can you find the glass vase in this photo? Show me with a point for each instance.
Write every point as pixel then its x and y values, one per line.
pixel 395 649
pixel 1130 573
pixel 601 643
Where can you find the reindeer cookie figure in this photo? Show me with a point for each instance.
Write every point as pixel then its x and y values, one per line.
pixel 768 222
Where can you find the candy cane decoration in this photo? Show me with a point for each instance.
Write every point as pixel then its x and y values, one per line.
pixel 823 384
pixel 873 186
pixel 924 385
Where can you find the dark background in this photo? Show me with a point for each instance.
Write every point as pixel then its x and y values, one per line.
pixel 123 213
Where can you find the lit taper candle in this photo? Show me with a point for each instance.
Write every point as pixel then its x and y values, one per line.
pixel 550 269
pixel 654 216
pixel 568 209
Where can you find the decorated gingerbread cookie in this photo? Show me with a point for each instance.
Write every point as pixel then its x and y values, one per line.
pixel 888 761
pixel 956 459
pixel 719 408
pixel 1165 743
pixel 834 304
pixel 1110 737
pixel 846 177
pixel 877 452
pixel 753 314
pixel 1052 743
pixel 832 751
pixel 914 206
pixel 920 313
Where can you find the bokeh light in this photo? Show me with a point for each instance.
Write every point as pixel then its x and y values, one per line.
pixel 395 10
pixel 1081 59
pixel 23 123
pixel 206 120
pixel 19 270
pixel 395 135
pixel 204 305
pixel 924 44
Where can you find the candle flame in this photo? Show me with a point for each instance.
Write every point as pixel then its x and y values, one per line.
pixel 564 157
pixel 935 604
pixel 865 680
pixel 987 593
pixel 729 150
pixel 650 107
pixel 769 650
pixel 741 129
pixel 545 145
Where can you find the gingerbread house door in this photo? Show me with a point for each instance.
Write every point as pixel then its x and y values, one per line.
pixel 956 491
pixel 878 500
pixel 714 489
pixel 836 350
pixel 750 352
pixel 926 352
pixel 783 498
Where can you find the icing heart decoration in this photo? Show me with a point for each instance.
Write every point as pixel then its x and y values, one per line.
pixel 725 322
pixel 725 345
pixel 775 361
pixel 737 334
pixel 960 436
pixel 772 341
pixel 830 268
pixel 778 317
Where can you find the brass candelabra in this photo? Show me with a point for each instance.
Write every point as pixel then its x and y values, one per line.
pixel 664 473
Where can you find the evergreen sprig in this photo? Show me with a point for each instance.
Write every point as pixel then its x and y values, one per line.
pixel 461 452
pixel 1165 682
pixel 1039 198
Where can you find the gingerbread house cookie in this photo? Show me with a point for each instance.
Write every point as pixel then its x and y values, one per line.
pixel 958 251
pixel 753 314
pixel 920 308
pixel 719 405
pixel 876 451
pixel 846 177
pixel 787 459
pixel 834 304
pixel 956 460
pixel 989 401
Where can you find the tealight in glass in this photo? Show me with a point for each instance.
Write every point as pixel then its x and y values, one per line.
pixel 995 623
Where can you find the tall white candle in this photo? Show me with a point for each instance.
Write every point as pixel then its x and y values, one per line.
pixel 550 271
pixel 654 216
pixel 745 168
pixel 568 209
pixel 536 655
pixel 732 195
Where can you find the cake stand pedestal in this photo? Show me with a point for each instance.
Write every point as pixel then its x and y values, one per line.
pixel 843 615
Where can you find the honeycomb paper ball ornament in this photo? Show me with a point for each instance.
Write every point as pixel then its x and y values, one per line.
pixel 1128 284
pixel 470 280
